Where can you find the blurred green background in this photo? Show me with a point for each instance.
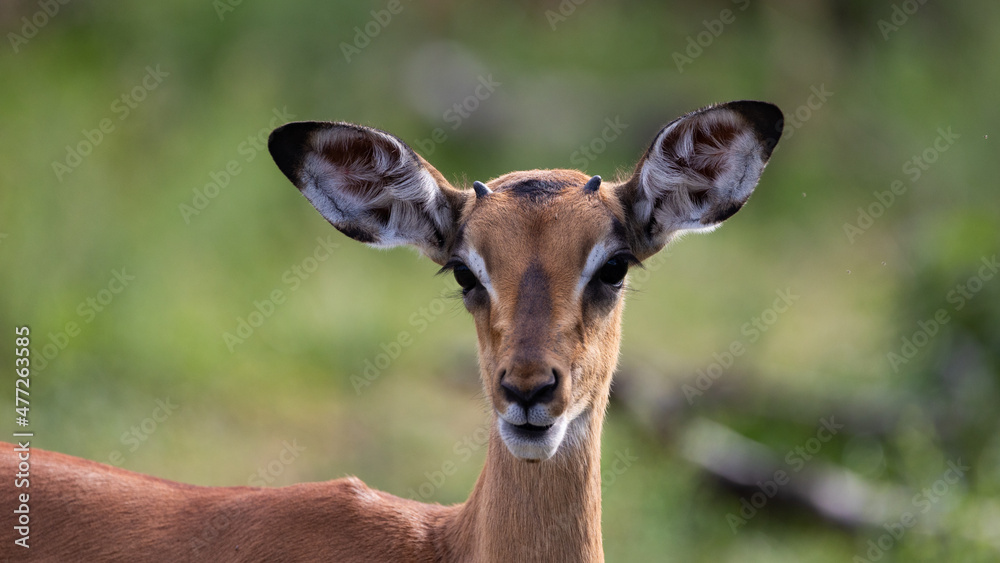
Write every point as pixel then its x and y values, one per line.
pixel 892 335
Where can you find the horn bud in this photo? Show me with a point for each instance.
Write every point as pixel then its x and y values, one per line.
pixel 481 189
pixel 592 185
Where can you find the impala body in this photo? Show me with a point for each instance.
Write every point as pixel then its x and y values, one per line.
pixel 541 257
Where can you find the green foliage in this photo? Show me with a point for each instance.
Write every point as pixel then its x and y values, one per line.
pixel 203 84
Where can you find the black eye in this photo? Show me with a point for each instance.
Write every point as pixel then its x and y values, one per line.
pixel 465 277
pixel 613 271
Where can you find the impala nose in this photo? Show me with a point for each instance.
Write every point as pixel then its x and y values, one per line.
pixel 530 389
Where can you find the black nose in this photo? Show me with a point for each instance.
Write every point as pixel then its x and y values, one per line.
pixel 529 389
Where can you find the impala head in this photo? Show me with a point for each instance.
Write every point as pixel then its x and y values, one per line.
pixel 542 255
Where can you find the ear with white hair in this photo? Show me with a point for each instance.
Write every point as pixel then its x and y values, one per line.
pixel 370 185
pixel 700 170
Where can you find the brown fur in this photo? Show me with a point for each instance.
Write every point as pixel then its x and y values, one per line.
pixel 534 232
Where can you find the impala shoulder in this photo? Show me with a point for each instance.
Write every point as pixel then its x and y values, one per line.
pixel 363 523
pixel 350 485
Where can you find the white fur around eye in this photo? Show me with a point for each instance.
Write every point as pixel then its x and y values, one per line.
pixel 598 256
pixel 476 263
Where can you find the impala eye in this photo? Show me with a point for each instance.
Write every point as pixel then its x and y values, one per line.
pixel 465 277
pixel 613 271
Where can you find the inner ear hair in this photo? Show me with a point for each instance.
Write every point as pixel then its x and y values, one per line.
pixel 370 185
pixel 700 170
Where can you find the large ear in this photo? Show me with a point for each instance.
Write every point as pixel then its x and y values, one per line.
pixel 370 185
pixel 699 171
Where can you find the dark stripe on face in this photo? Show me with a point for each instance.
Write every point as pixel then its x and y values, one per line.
pixel 459 238
pixel 618 229
pixel 534 308
pixel 535 189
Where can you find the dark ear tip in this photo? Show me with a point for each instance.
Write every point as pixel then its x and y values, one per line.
pixel 287 147
pixel 766 118
pixel 289 144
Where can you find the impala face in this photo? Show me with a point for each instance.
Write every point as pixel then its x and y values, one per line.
pixel 542 266
pixel 541 256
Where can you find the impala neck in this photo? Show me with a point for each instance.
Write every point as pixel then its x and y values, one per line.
pixel 535 511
